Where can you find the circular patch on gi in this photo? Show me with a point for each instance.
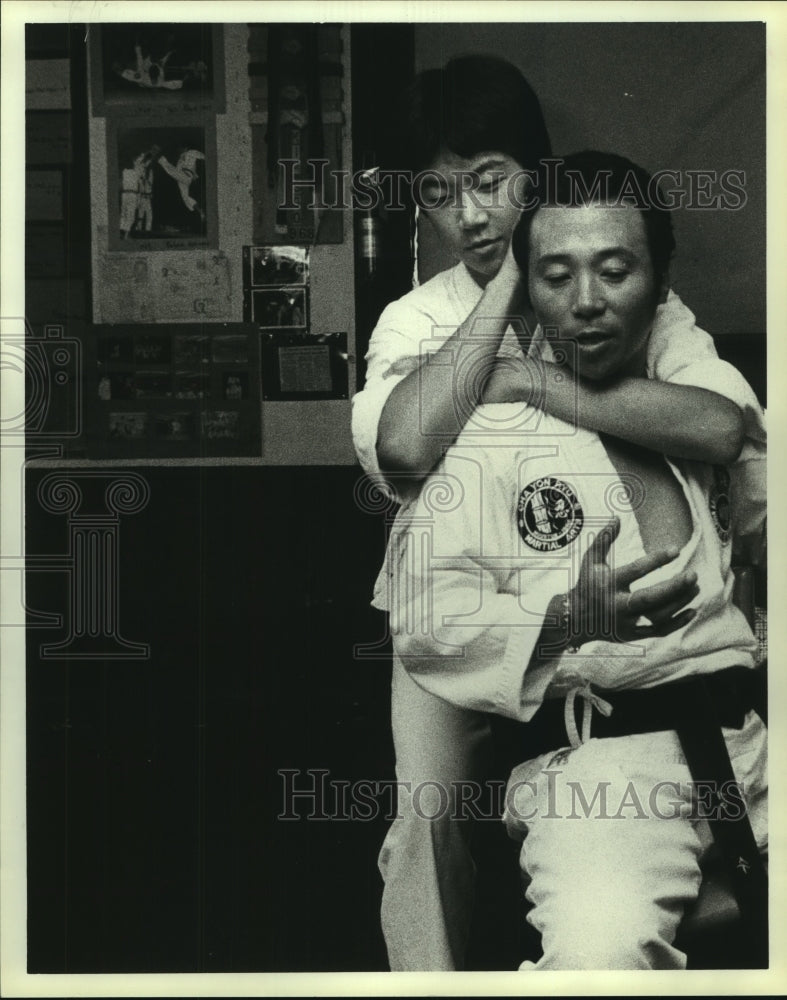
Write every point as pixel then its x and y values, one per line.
pixel 719 502
pixel 549 515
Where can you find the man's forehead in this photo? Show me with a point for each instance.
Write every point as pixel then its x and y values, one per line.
pixel 567 230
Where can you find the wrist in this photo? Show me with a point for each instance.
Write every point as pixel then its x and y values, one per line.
pixel 570 622
pixel 512 380
pixel 506 289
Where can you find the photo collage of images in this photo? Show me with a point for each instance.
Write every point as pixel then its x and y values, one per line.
pixel 296 364
pixel 189 392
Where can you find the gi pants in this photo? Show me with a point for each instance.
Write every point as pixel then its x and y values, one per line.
pixel 607 892
pixel 614 834
pixel 426 863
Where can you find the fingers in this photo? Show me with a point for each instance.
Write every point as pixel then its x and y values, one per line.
pixel 602 543
pixel 666 627
pixel 666 612
pixel 673 593
pixel 641 567
pixel 664 604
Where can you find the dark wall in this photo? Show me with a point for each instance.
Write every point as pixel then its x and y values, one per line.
pixel 152 785
pixel 678 96
pixel 154 790
pixel 154 794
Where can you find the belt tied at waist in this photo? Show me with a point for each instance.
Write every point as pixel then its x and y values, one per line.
pixel 696 708
pixel 732 692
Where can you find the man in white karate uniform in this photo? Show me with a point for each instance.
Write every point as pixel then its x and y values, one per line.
pixel 551 567
pixel 473 134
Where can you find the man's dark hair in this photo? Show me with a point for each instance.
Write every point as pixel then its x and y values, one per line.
pixel 590 178
pixel 474 104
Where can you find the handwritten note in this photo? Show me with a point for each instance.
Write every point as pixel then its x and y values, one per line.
pixel 150 288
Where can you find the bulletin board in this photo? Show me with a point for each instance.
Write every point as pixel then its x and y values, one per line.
pixel 143 275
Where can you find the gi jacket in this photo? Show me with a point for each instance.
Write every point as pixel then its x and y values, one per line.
pixel 501 526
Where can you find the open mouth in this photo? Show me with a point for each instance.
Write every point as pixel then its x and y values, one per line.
pixel 593 338
pixel 483 246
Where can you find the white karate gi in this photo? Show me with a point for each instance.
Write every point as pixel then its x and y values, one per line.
pixel 497 532
pixel 427 866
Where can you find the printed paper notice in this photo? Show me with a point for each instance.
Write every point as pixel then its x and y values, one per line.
pixel 305 369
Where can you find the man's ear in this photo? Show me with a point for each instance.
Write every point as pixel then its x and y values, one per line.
pixel 664 287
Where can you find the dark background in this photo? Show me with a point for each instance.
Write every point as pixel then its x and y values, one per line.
pixel 153 786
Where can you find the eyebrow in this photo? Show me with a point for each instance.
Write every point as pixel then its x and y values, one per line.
pixel 488 164
pixel 437 181
pixel 563 258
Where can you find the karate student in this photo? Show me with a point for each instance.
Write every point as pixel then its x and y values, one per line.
pixel 564 568
pixel 472 131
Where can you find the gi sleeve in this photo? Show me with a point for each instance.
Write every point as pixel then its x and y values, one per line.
pixel 395 349
pixel 748 474
pixel 679 351
pixel 676 341
pixel 466 610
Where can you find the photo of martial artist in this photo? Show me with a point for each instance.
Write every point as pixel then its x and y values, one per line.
pixel 136 189
pixel 156 59
pixel 163 176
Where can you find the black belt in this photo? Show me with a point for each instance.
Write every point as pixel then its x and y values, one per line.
pixel 696 708
pixel 733 692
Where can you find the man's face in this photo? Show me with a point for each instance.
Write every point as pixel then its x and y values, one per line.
pixel 474 204
pixel 591 275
